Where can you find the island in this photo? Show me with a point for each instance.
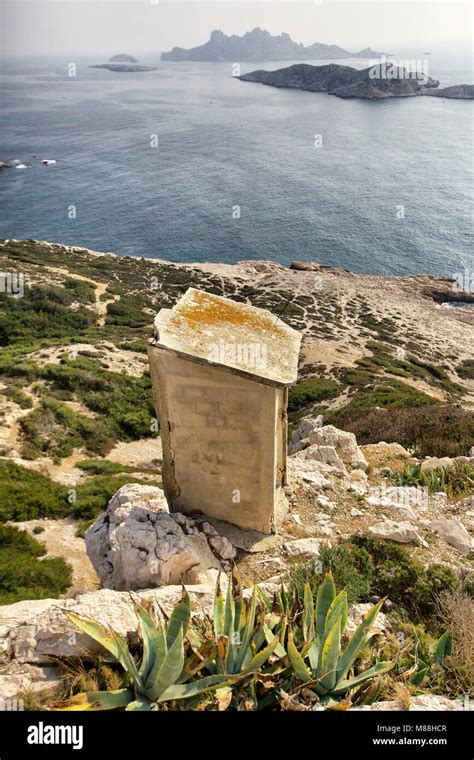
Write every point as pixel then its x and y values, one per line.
pixel 347 82
pixel 260 45
pixel 123 58
pixel 122 62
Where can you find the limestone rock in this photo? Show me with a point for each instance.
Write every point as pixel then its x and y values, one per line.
pixel 402 532
pixel 335 446
pixel 356 614
pixel 137 544
pixel 17 677
pixel 408 499
pixel 435 463
pixel 384 452
pixel 424 702
pixel 309 547
pixel 222 547
pixel 454 533
pixel 309 471
pixel 47 631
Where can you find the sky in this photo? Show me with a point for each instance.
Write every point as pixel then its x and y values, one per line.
pixel 133 26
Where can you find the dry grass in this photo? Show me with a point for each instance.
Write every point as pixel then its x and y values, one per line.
pixel 456 611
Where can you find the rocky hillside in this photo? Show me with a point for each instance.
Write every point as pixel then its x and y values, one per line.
pixel 380 469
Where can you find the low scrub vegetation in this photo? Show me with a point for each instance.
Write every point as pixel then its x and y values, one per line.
pixel 436 430
pixel 23 572
pixel 28 495
pixel 44 313
pixel 368 567
pixel 311 391
pixel 456 481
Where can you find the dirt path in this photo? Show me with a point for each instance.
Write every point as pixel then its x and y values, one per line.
pixel 100 288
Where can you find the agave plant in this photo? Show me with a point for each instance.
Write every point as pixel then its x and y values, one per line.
pixel 428 658
pixel 328 673
pixel 163 673
pixel 240 633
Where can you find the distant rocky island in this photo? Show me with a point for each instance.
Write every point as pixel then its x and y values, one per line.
pixel 123 62
pixel 346 82
pixel 260 45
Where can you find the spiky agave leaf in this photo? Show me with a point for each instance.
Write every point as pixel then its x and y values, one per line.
pixel 153 638
pixel 187 690
pixel 170 669
pixel 260 658
pixel 357 641
pixel 179 619
pixel 324 599
pixel 218 616
pixel 301 671
pixel 110 640
pixel 330 656
pixel 378 669
pixel 308 613
pixel 99 700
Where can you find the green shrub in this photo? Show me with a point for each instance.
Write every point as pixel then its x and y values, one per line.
pixel 55 430
pixel 42 313
pixel 438 430
pixel 466 369
pixel 23 575
pixel 81 291
pixel 368 567
pixel 18 397
pixel 405 581
pixel 310 391
pixel 392 394
pixel 27 495
pixel 103 467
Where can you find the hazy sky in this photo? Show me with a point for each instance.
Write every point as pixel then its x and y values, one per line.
pixel 134 26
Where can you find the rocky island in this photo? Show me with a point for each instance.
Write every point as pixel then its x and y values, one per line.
pixel 260 45
pixel 347 82
pixel 123 62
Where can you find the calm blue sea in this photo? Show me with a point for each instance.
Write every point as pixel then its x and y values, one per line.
pixel 223 143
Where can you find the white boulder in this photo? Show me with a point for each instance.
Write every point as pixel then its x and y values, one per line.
pixel 402 532
pixel 137 544
pixel 454 533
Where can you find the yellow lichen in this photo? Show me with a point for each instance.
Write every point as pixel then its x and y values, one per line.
pixel 206 309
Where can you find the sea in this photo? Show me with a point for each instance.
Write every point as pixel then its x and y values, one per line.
pixel 189 164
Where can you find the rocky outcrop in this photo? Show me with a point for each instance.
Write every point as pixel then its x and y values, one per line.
pixel 328 445
pixel 456 92
pixel 346 82
pixel 402 532
pixel 443 463
pixel 422 703
pixel 32 634
pixel 260 45
pixel 136 543
pixel 453 532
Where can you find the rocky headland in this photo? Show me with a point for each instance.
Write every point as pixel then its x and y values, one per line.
pixel 346 82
